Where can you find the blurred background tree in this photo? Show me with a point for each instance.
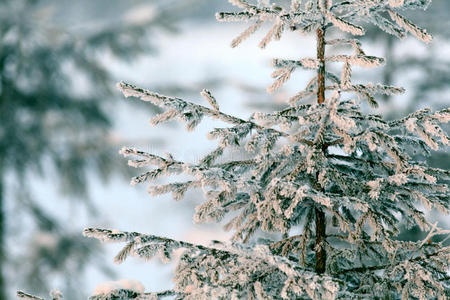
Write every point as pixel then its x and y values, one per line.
pixel 55 92
pixel 406 67
pixel 424 71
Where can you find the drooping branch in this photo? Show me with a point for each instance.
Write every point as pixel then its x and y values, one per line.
pixel 172 103
pixel 203 258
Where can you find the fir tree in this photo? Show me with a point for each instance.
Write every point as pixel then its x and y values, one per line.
pixel 343 178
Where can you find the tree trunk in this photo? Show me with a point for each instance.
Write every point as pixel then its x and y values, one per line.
pixel 321 255
pixel 321 71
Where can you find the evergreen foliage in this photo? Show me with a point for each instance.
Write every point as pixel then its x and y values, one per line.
pixel 344 179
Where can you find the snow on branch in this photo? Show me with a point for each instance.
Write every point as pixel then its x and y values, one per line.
pixel 25 296
pixel 126 289
pixel 404 23
pixel 54 295
pixel 186 111
pixel 255 265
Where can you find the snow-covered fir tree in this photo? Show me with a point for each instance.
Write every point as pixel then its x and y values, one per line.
pixel 344 179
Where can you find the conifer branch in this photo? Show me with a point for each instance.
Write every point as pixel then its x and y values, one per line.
pixel 163 101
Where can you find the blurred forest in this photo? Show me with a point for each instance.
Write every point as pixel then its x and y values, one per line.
pixel 60 114
pixel 55 110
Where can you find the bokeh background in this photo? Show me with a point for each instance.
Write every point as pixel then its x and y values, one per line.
pixel 62 122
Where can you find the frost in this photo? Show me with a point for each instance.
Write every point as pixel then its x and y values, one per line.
pixel 244 35
pixel 396 3
pixel 210 98
pixel 125 284
pixel 56 295
pixel 408 26
pixel 398 179
pixel 345 25
pixel 375 186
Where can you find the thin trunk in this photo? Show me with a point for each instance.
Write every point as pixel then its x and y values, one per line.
pixel 321 71
pixel 389 68
pixel 321 255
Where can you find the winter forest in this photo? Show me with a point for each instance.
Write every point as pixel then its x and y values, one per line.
pixel 224 149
